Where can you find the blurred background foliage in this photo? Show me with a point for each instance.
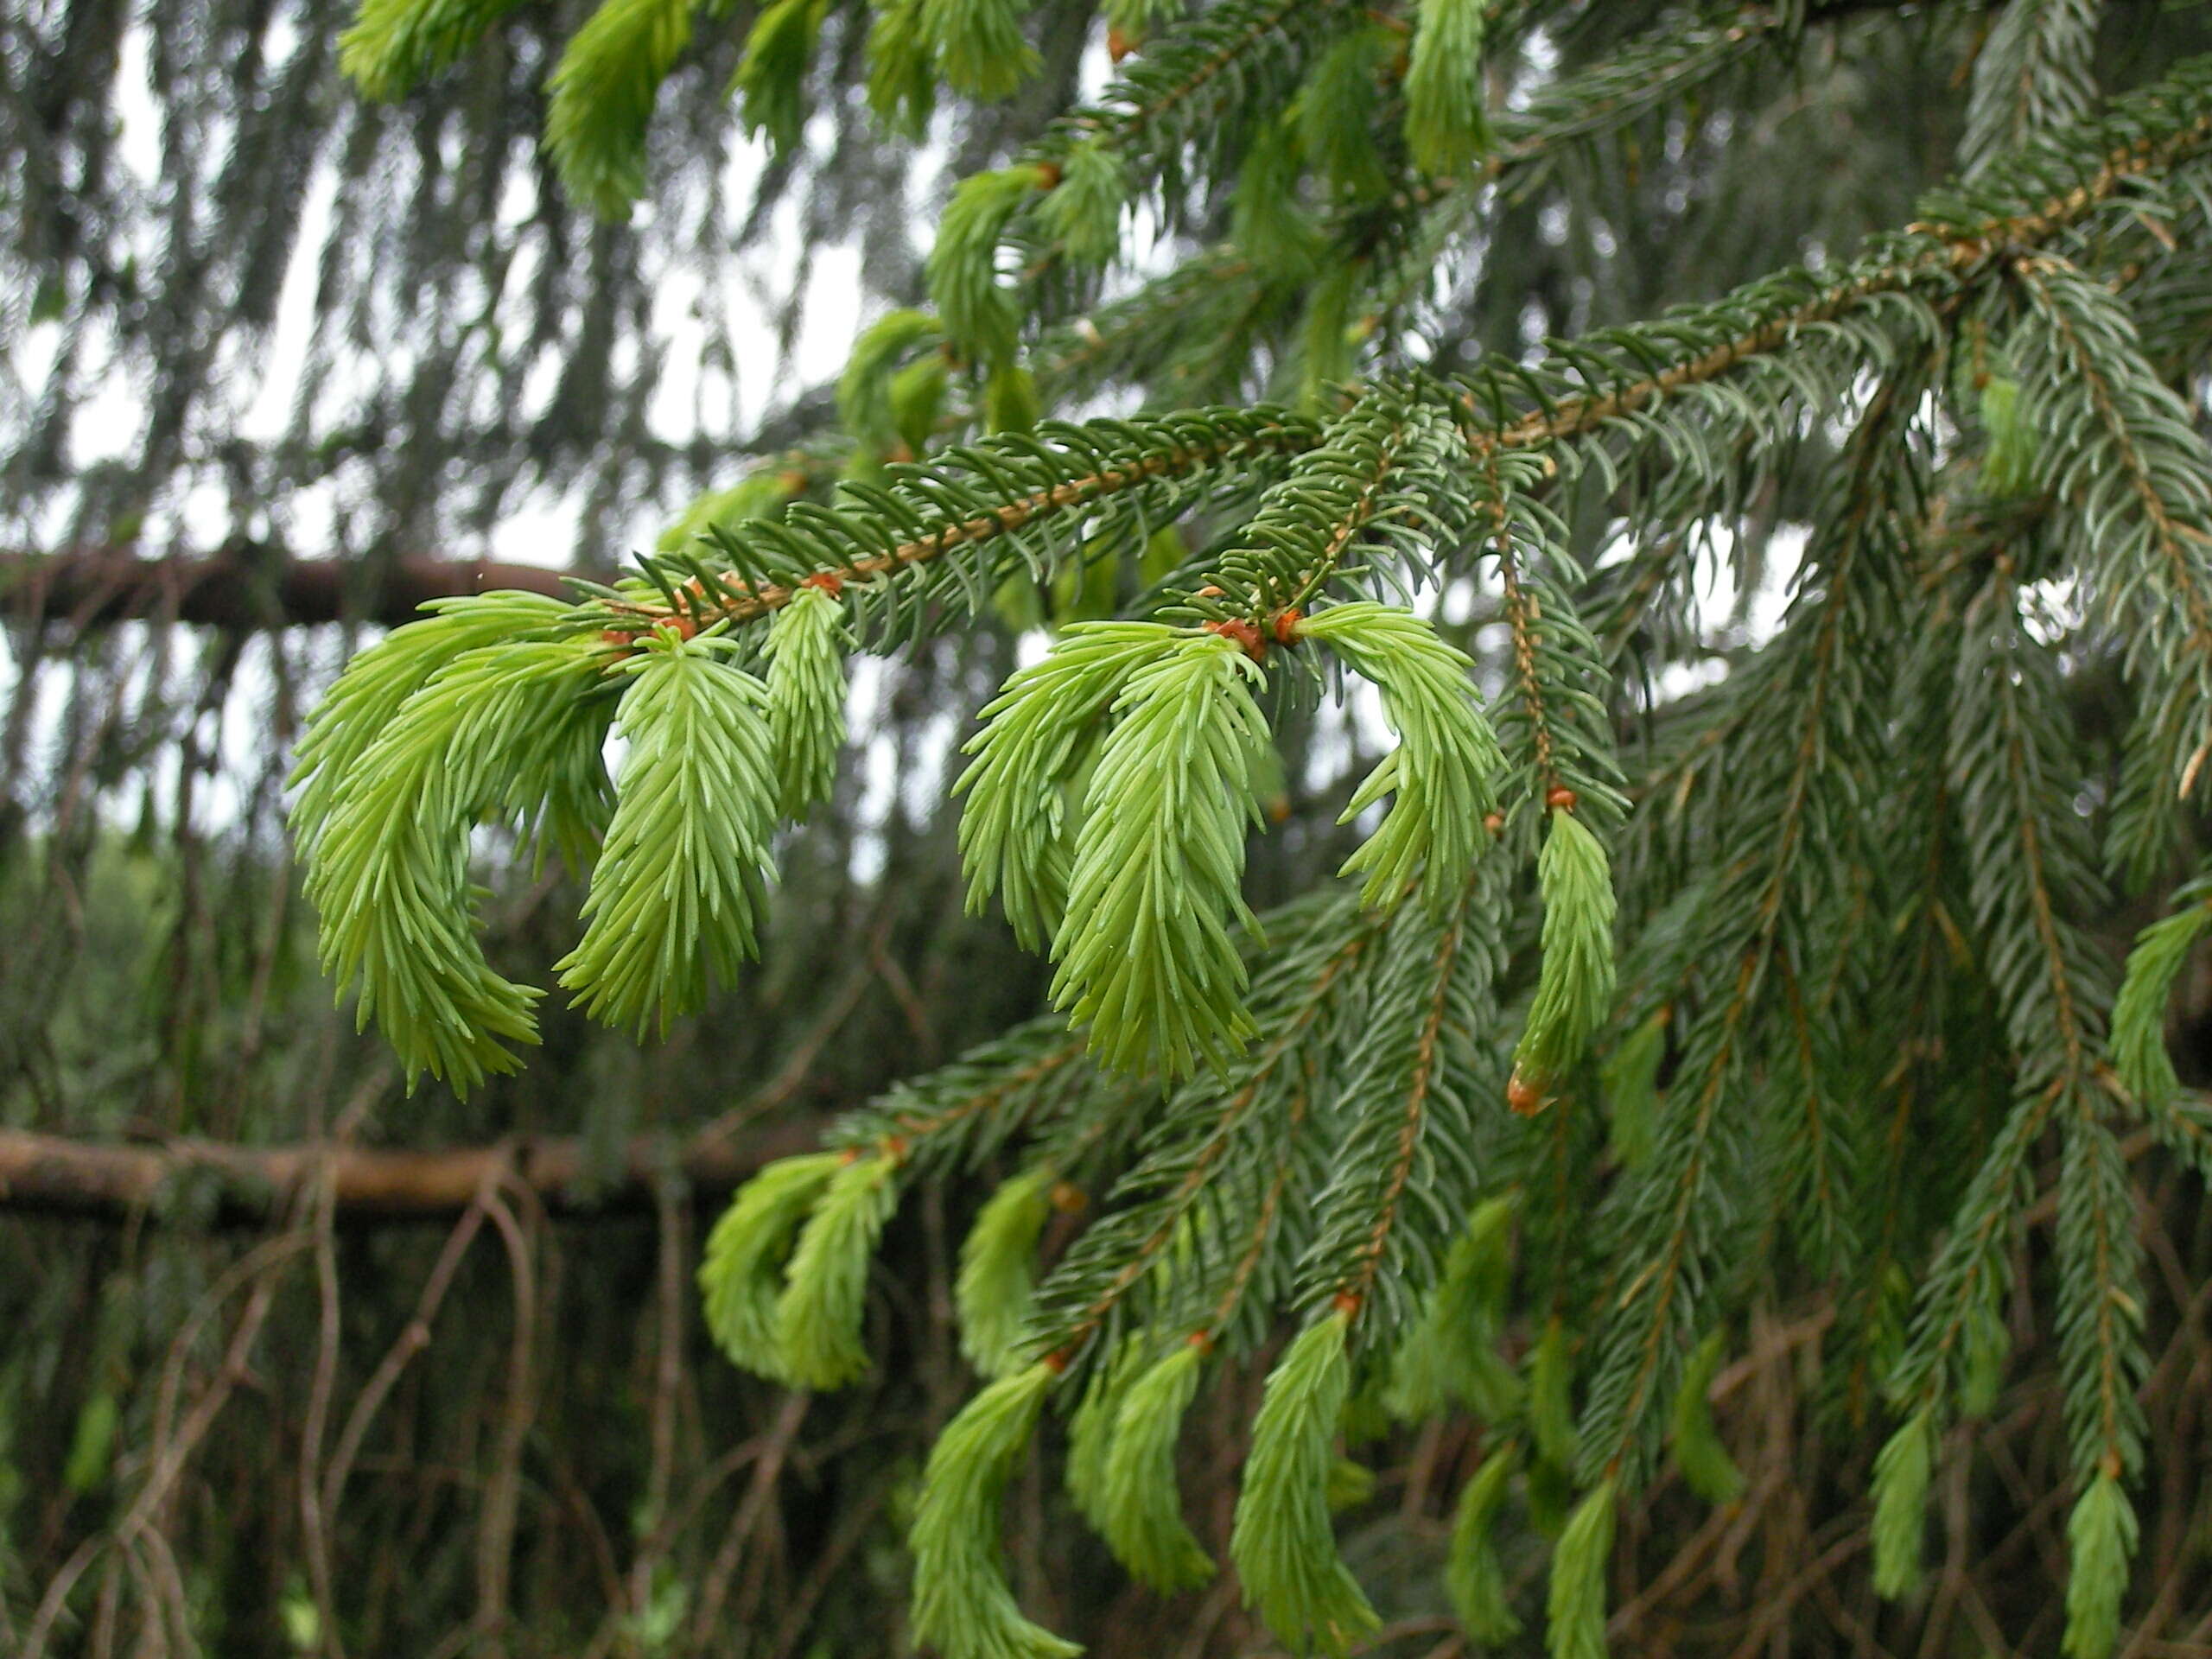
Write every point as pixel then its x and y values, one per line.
pixel 246 313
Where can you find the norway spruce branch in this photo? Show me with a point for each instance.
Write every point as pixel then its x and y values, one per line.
pixel 962 1604
pixel 1682 52
pixel 741 1271
pixel 1131 335
pixel 1144 953
pixel 2049 985
pixel 1814 1149
pixel 1964 234
pixel 806 649
pixel 1241 1291
pixel 1404 1157
pixel 951 1118
pixel 2031 76
pixel 2032 872
pixel 2118 446
pixel 1925 999
pixel 1191 84
pixel 510 729
pixel 1672 1210
pixel 1240 1244
pixel 2102 1359
pixel 1553 721
pixel 1282 1542
pixel 2031 868
pixel 1556 727
pixel 1014 496
pixel 1439 776
pixel 1326 1117
pixel 1448 131
pixel 1307 527
pixel 1205 1127
pixel 680 882
pixel 1969 1273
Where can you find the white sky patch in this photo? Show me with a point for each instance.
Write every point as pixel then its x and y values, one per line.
pixel 695 396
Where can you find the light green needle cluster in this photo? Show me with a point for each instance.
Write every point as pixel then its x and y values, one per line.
pixel 1707 1467
pixel 770 78
pixel 496 707
pixel 866 405
pixel 962 1606
pixel 1441 773
pixel 1902 1470
pixel 1473 1576
pixel 1551 1396
pixel 366 698
pixel 981 319
pixel 683 872
pixel 2138 1013
pixel 1575 1606
pixel 1145 954
pixel 603 92
pixel 818 1315
pixel 1091 1426
pixel 998 1269
pixel 1574 987
pixel 1142 1514
pixel 807 641
pixel 1337 108
pixel 1449 1355
pixel 1016 836
pixel 741 1274
pixel 2008 464
pixel 1283 1545
pixel 393 44
pixel 1445 130
pixel 1083 211
pixel 411 750
pixel 979 44
pixel 2101 1536
pixel 901 68
pixel 1630 1082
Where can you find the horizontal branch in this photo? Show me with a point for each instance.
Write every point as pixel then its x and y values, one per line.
pixel 246 1186
pixel 1958 252
pixel 245 587
pixel 741 603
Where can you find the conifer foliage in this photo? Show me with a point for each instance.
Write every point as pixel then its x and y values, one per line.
pixel 1646 1007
